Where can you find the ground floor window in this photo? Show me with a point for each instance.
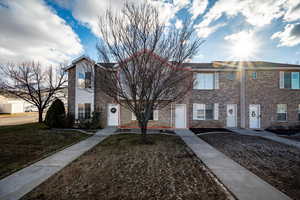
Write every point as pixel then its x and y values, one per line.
pixel 281 112
pixel 84 111
pixel 205 111
pixel 153 116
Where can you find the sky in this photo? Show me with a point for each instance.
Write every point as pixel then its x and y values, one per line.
pixel 56 31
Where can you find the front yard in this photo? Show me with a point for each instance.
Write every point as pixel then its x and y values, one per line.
pixel 21 145
pixel 276 163
pixel 122 168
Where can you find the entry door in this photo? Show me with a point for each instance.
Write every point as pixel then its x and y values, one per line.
pixel 231 115
pixel 180 116
pixel 113 115
pixel 254 116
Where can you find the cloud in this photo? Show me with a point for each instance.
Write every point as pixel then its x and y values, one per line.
pixel 88 12
pixel 204 31
pixel 198 7
pixel 30 30
pixel 256 13
pixel 290 36
pixel 178 24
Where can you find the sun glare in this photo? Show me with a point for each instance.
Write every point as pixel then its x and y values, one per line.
pixel 243 45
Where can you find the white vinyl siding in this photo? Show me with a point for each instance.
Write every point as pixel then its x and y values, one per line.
pixel 133 117
pixel 207 81
pixel 205 111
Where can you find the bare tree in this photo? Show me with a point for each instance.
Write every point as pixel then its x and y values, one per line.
pixel 149 54
pixel 34 84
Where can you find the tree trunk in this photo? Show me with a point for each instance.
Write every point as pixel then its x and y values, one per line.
pixel 40 116
pixel 143 127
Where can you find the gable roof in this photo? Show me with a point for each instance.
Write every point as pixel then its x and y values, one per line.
pixel 239 64
pixel 210 66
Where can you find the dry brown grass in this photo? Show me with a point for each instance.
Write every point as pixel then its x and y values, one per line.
pixel 122 168
pixel 21 145
pixel 276 163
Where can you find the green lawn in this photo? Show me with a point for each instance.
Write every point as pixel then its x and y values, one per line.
pixel 21 145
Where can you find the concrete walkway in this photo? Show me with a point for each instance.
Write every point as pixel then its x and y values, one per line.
pixel 267 135
pixel 20 183
pixel 241 182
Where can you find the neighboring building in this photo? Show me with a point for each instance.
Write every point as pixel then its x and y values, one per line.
pixel 251 94
pixel 10 105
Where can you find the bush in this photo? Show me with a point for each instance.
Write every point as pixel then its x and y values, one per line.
pixel 90 123
pixel 69 121
pixel 96 120
pixel 285 129
pixel 55 117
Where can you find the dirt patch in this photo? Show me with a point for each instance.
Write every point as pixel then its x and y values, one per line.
pixel 122 168
pixel 292 137
pixel 276 163
pixel 21 145
pixel 207 130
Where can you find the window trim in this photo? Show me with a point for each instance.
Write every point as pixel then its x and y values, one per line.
pixel 214 81
pixel 200 111
pixel 286 112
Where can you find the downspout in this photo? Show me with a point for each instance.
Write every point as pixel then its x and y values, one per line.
pixel 243 97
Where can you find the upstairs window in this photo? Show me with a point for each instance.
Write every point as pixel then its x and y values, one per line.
pixel 254 75
pixel 281 112
pixel 85 80
pixel 290 80
pixel 88 80
pixel 206 81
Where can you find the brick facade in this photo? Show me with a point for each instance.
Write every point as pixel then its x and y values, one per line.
pixel 228 93
pixel 264 90
pixel 71 90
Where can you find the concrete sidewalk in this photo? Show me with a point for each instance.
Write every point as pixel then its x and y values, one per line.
pixel 241 182
pixel 20 183
pixel 267 135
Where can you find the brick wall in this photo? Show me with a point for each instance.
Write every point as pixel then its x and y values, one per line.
pixel 71 90
pixel 228 93
pixel 101 100
pixel 265 91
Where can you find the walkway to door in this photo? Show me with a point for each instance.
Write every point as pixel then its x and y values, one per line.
pixel 267 135
pixel 20 183
pixel 241 182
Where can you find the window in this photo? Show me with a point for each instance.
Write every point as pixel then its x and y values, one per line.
pixel 88 80
pixel 281 112
pixel 206 81
pixel 290 80
pixel 81 80
pixel 205 111
pixel 295 80
pixel 87 110
pixel 231 76
pixel 254 75
pixel 153 116
pixel 80 111
pixel 84 111
pixel 85 80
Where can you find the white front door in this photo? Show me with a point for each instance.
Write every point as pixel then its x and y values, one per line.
pixel 254 116
pixel 113 115
pixel 231 115
pixel 180 116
